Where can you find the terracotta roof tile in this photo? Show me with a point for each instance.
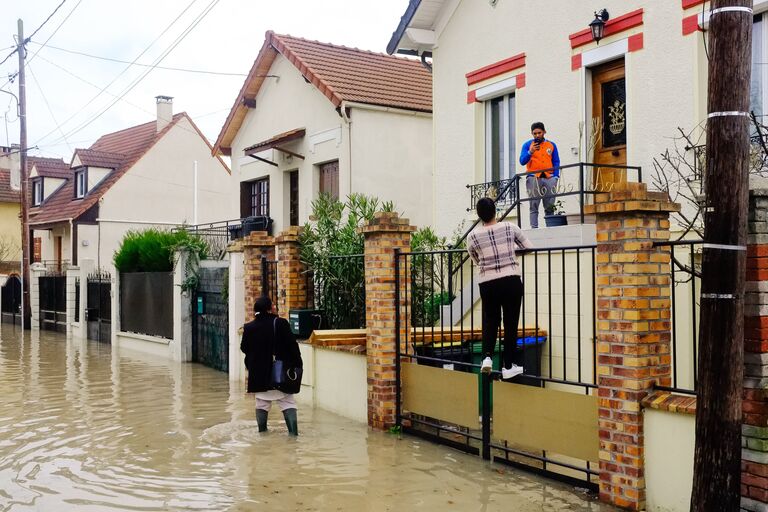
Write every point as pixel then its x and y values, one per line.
pixel 341 74
pixel 132 143
pixel 94 158
pixel 7 194
pixel 49 167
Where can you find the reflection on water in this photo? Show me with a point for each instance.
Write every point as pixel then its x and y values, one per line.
pixel 84 427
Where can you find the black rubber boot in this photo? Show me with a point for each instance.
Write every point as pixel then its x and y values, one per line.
pixel 261 419
pixel 291 422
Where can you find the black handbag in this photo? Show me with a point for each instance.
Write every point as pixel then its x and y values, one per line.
pixel 284 378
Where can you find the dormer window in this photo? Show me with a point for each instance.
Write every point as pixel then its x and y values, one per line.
pixel 37 192
pixel 81 183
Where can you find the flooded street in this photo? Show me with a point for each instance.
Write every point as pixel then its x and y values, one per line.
pixel 84 427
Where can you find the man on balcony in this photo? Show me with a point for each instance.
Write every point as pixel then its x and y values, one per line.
pixel 542 161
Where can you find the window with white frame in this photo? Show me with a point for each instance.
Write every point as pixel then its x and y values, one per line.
pixel 500 150
pixel 81 183
pixel 37 192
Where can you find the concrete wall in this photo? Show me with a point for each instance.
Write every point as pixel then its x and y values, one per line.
pixel 377 151
pixel 665 85
pixel 10 230
pixel 335 381
pixel 669 442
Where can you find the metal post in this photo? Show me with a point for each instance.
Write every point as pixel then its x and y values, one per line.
pixel 581 191
pixel 264 276
pixel 398 389
pixel 25 308
pixel 485 393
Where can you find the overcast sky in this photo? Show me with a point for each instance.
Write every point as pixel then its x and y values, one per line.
pixel 64 89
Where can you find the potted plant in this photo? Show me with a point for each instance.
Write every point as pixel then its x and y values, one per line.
pixel 555 215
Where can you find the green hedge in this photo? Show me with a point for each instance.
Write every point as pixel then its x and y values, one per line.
pixel 151 250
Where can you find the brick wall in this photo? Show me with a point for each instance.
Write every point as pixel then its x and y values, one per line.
pixel 633 330
pixel 291 273
pixel 383 235
pixel 255 245
pixel 754 467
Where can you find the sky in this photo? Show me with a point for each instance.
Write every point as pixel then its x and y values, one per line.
pixel 73 99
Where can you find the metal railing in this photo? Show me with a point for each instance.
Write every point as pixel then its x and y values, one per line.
pixel 685 289
pixel 54 267
pixel 269 280
pixel 337 288
pixel 217 235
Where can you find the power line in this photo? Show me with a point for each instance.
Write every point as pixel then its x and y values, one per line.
pixel 46 20
pixel 110 59
pixel 48 105
pixel 103 89
pixel 157 61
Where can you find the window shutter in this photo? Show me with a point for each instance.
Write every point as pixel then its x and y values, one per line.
pixel 245 199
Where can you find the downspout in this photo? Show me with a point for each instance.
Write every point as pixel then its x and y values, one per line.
pixel 427 65
pixel 72 244
pixel 348 122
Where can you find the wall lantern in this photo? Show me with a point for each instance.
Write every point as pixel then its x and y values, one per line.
pixel 597 25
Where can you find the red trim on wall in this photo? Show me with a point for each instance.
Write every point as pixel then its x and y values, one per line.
pixel 520 81
pixel 687 4
pixel 614 26
pixel 635 42
pixel 471 97
pixel 575 62
pixel 495 69
pixel 691 24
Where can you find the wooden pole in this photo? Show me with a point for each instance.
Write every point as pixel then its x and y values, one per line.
pixel 25 310
pixel 717 459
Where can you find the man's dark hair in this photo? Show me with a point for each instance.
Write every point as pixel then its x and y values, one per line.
pixel 486 209
pixel 262 305
pixel 539 125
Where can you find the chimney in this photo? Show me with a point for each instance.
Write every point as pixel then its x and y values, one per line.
pixel 164 111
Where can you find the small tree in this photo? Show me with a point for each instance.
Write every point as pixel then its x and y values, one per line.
pixel 339 282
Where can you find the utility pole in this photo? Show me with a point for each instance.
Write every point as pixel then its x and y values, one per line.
pixel 25 309
pixel 717 458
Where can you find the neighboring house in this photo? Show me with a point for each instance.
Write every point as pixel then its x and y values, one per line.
pixel 131 179
pixel 501 65
pixel 316 118
pixel 10 223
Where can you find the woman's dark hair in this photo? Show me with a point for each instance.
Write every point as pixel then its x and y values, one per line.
pixel 262 305
pixel 486 209
pixel 539 125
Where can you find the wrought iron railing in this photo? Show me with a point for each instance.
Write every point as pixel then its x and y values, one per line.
pixel 269 280
pixel 217 235
pixel 338 290
pixel 685 290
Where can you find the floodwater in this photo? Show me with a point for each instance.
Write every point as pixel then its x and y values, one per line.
pixel 84 428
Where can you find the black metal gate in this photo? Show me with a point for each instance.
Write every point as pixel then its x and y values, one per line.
pixel 53 302
pixel 210 319
pixel 443 396
pixel 98 308
pixel 11 300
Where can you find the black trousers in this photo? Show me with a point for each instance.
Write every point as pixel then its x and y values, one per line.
pixel 503 295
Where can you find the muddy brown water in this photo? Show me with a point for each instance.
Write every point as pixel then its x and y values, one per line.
pixel 86 427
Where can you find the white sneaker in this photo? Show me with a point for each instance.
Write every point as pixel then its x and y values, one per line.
pixel 514 371
pixel 486 366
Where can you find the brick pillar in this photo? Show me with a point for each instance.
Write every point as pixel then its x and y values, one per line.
pixel 385 233
pixel 255 245
pixel 754 430
pixel 633 330
pixel 291 272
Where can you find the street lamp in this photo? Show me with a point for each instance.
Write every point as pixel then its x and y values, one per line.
pixel 597 25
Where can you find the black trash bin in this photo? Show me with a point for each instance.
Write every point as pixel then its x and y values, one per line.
pixel 528 355
pixel 235 231
pixel 449 351
pixel 257 223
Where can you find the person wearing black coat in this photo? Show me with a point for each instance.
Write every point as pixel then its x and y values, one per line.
pixel 266 335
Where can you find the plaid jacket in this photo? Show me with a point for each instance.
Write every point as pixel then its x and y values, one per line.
pixel 492 248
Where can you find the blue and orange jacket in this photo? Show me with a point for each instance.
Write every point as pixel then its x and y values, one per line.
pixel 546 157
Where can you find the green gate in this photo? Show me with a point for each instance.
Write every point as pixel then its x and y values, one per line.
pixel 210 318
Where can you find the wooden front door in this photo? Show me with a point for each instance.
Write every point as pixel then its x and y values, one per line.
pixel 293 200
pixel 609 114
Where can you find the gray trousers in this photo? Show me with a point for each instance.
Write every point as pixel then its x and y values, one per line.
pixel 538 189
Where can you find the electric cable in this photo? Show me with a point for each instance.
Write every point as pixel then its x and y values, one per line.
pixel 48 105
pixel 110 59
pixel 162 56
pixel 103 89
